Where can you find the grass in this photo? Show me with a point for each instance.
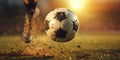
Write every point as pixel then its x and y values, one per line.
pixel 85 46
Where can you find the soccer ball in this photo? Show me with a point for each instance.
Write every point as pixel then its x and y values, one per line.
pixel 61 25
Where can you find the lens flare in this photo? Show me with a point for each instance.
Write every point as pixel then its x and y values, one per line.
pixel 77 4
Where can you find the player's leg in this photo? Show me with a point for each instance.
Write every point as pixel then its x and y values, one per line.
pixel 30 6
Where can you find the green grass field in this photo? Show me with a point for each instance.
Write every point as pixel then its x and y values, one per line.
pixel 92 46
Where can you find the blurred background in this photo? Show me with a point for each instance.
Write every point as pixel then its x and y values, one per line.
pixel 94 15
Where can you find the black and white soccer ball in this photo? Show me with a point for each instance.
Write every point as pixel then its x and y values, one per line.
pixel 61 25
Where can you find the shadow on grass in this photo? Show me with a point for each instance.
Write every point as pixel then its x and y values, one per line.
pixel 19 56
pixel 26 57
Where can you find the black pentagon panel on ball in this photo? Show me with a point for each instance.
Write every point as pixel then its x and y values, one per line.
pixel 46 24
pixel 60 33
pixel 75 25
pixel 60 16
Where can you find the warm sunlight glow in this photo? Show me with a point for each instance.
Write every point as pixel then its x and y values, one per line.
pixel 77 4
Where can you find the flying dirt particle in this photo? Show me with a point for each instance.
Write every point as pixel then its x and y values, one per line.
pixel 33 45
pixel 39 50
pixel 61 52
pixel 78 46
pixel 44 44
pixel 44 55
pixel 37 53
pixel 12 48
pixel 50 47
